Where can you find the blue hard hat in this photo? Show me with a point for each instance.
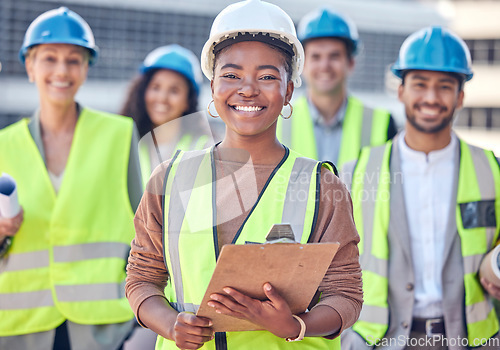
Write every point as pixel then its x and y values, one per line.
pixel 178 59
pixel 326 23
pixel 59 26
pixel 435 49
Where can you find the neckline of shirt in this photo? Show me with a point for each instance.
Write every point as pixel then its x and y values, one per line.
pixel 445 153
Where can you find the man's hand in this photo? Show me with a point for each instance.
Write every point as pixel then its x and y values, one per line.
pixel 490 288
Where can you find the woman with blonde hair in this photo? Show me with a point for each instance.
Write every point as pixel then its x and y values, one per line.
pixel 63 272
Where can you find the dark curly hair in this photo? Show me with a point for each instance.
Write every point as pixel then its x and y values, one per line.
pixel 135 104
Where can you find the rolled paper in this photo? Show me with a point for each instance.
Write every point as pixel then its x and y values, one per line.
pixel 9 203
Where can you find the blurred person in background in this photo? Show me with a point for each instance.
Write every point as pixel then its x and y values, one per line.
pixel 328 123
pixel 78 180
pixel 427 209
pixel 167 88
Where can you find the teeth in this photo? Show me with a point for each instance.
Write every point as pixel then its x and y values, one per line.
pixel 429 111
pixel 248 108
pixel 60 84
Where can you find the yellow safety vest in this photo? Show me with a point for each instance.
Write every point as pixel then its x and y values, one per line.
pixel 68 259
pixel 193 224
pixel 361 127
pixel 186 143
pixel 478 222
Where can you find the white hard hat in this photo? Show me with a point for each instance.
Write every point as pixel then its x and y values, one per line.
pixel 253 17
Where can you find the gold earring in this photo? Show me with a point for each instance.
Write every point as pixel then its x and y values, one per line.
pixel 208 109
pixel 291 111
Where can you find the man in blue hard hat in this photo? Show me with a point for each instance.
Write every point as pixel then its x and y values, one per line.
pixel 427 208
pixel 328 123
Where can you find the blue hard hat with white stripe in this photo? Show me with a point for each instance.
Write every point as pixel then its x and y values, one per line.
pixel 59 26
pixel 434 49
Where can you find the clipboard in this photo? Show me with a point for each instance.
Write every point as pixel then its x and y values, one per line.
pixel 294 269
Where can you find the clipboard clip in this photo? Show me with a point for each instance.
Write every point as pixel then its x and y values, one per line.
pixel 280 233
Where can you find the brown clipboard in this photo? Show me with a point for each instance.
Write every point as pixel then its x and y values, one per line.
pixel 294 269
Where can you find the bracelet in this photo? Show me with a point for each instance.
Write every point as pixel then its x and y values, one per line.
pixel 302 330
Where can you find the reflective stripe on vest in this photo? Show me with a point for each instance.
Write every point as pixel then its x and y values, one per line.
pixel 478 186
pixel 361 127
pixel 291 195
pixel 186 143
pixel 68 259
pixel 371 212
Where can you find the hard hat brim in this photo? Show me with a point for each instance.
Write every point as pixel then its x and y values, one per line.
pixel 94 51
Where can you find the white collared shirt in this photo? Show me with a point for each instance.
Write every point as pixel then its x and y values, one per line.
pixel 427 186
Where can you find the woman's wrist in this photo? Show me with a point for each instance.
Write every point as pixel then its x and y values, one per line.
pixel 299 329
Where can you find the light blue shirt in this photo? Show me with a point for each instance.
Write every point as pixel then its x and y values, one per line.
pixel 328 135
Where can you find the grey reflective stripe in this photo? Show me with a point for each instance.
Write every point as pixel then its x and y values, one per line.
pixel 90 292
pixel 297 193
pixel 485 181
pixel 78 252
pixel 370 187
pixel 472 263
pixel 374 314
pixel 375 265
pixel 483 172
pixel 490 236
pixel 26 300
pixel 180 193
pixel 366 127
pixel 25 261
pixel 188 307
pixel 478 312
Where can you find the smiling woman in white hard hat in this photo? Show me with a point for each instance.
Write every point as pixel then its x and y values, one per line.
pixel 233 193
pixel 78 180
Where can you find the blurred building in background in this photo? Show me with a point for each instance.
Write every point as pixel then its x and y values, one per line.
pixel 126 30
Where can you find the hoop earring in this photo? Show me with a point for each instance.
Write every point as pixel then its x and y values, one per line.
pixel 291 111
pixel 208 109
